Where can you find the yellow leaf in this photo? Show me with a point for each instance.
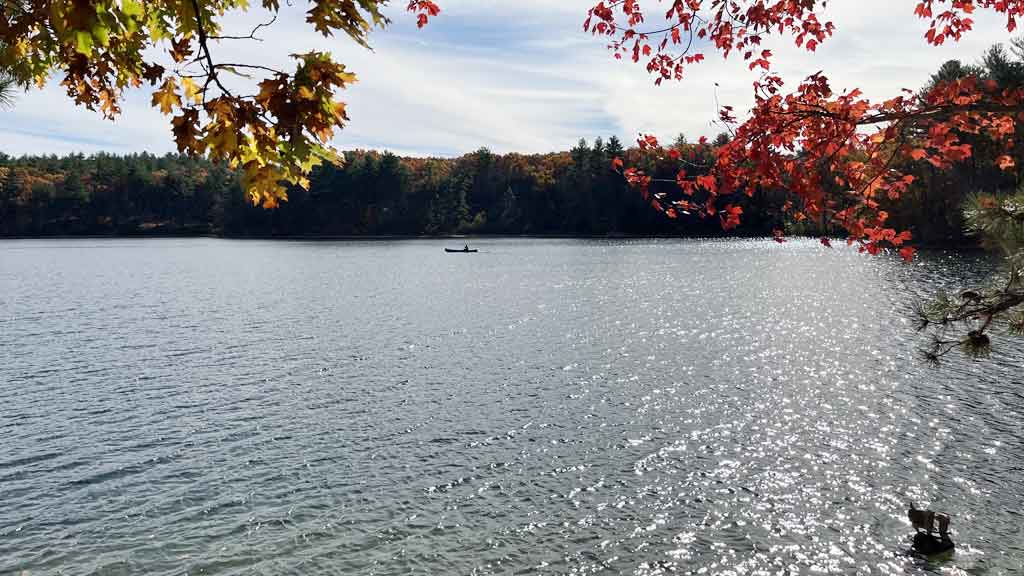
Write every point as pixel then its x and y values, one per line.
pixel 167 97
pixel 192 90
pixel 268 89
pixel 108 103
pixel 222 140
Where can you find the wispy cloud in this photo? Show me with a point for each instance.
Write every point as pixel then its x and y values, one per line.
pixel 514 76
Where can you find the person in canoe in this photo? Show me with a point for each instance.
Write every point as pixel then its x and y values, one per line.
pixel 465 248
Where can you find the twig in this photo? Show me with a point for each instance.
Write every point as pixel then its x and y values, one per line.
pixel 251 36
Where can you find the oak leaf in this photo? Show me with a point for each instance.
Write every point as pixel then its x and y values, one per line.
pixel 167 96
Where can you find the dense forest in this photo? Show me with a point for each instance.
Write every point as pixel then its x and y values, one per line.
pixel 574 192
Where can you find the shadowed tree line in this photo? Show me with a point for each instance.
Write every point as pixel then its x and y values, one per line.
pixel 378 193
pixel 574 192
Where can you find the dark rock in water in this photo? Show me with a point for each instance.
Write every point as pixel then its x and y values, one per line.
pixel 929 545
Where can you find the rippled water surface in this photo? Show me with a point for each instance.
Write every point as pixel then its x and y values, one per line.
pixel 542 407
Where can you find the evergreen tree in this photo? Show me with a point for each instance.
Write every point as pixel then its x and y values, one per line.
pixel 614 149
pixel 965 320
pixel 508 221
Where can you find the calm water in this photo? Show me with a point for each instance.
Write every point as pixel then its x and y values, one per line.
pixel 542 407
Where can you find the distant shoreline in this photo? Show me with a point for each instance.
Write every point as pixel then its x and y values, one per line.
pixel 477 237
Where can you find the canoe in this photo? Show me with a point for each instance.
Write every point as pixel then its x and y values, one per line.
pixel 460 250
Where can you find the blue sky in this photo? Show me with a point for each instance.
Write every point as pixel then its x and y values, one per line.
pixel 512 75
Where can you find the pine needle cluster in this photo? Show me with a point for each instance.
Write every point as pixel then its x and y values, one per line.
pixel 964 321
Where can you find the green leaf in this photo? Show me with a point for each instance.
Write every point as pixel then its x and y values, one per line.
pixel 83 42
pixel 132 9
pixel 102 34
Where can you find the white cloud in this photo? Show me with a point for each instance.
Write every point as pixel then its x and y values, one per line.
pixel 517 76
pixel 46 121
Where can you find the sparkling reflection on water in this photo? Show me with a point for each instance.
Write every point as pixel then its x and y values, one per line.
pixel 542 407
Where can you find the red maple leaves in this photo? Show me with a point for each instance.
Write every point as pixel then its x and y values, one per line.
pixel 814 142
pixel 727 26
pixel 425 9
pixel 952 21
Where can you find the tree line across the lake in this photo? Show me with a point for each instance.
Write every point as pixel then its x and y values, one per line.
pixel 375 193
pixel 574 192
pixel 570 193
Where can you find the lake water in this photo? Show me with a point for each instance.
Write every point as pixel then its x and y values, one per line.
pixel 209 406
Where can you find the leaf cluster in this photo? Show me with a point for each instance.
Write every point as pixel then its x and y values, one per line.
pixel 101 48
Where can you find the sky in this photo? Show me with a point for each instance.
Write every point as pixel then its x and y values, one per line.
pixel 512 75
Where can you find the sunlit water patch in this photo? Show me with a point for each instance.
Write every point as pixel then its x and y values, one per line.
pixel 542 407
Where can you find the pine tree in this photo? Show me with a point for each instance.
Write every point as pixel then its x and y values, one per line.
pixel 510 211
pixel 970 316
pixel 614 148
pixel 7 90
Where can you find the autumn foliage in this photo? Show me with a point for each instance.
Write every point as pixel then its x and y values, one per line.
pixel 276 136
pixel 812 139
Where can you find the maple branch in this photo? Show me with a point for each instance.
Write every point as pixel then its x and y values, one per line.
pixel 718 106
pixel 934 112
pixel 884 168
